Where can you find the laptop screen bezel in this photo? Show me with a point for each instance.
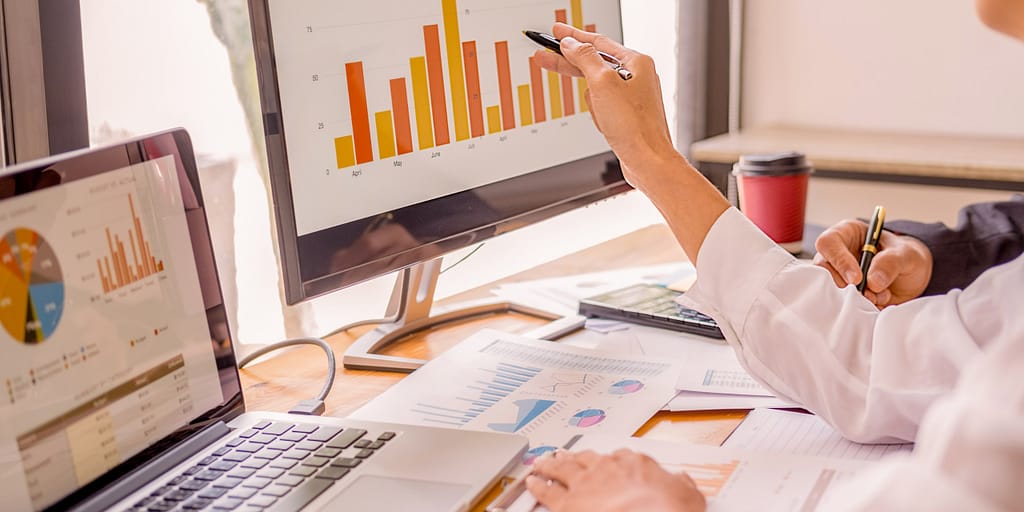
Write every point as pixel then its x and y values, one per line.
pixel 61 169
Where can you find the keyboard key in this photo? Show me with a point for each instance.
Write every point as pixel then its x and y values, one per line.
pixel 304 494
pixel 209 475
pixel 249 433
pixel 235 442
pixel 293 437
pixel 289 480
pixel 386 436
pixel 223 465
pixel 376 445
pixel 303 471
pixel 270 472
pixel 308 445
pixel 177 480
pixel 346 438
pixel 162 490
pixel 362 443
pixel 316 462
pixel 227 504
pixel 242 493
pixel 281 445
pixel 346 462
pixel 262 501
pixel 261 425
pixel 332 473
pixel 145 501
pixel 236 457
pixel 295 454
pixel 178 495
pixel 221 451
pixel 207 461
pixel 277 428
pixel 324 434
pixel 194 485
pixel 284 463
pixel 267 454
pixel 327 452
pixel 304 429
pixel 254 464
pixel 256 482
pixel 365 454
pixel 262 439
pixel 228 482
pixel 241 473
pixel 197 504
pixel 276 491
pixel 162 506
pixel 213 493
pixel 192 470
pixel 249 447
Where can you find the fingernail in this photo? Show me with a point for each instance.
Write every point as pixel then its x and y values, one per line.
pixel 570 42
pixel 851 277
pixel 881 276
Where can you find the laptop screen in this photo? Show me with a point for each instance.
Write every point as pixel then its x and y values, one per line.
pixel 112 332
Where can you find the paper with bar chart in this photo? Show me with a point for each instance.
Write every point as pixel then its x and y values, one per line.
pixel 733 479
pixel 400 102
pixel 549 392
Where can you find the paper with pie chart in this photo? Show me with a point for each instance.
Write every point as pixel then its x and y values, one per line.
pixel 549 392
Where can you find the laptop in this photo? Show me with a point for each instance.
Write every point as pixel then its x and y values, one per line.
pixel 121 390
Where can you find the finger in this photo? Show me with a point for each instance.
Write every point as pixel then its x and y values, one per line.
pixel 562 469
pixel 585 458
pixel 885 267
pixel 832 246
pixel 584 57
pixel 820 261
pixel 884 298
pixel 602 42
pixel 548 493
pixel 687 480
pixel 554 62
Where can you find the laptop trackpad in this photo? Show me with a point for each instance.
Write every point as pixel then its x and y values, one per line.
pixel 385 494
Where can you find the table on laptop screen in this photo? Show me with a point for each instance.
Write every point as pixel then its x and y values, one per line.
pixel 104 345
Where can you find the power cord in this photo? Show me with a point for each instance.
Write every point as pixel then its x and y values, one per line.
pixel 313 406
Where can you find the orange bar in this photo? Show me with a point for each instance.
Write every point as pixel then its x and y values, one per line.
pixel 537 84
pixel 435 74
pixel 456 77
pixel 103 277
pixel 113 255
pixel 493 119
pixel 568 102
pixel 135 255
pixel 360 112
pixel 113 285
pixel 508 109
pixel 590 28
pixel 138 229
pixel 400 109
pixel 555 92
pixel 476 108
pixel 123 261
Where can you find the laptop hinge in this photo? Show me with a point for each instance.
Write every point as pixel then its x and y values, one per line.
pixel 160 466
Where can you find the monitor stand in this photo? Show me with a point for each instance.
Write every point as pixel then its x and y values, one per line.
pixel 410 305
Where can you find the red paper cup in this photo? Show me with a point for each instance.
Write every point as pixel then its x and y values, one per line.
pixel 773 195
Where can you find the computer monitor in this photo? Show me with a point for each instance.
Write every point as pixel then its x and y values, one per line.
pixel 400 131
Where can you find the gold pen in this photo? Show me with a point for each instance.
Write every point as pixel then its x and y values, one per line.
pixel 516 489
pixel 867 253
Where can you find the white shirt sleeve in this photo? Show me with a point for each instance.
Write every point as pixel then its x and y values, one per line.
pixel 879 376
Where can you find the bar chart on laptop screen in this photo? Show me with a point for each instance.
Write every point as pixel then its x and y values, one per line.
pixel 439 95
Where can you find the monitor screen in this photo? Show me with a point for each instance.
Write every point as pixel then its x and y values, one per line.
pixel 113 338
pixel 399 131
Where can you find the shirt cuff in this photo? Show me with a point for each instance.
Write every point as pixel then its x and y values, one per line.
pixel 735 264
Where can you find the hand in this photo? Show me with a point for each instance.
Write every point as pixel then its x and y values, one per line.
pixel 629 113
pixel 899 272
pixel 623 481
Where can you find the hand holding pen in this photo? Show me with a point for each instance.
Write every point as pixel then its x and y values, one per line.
pixel 870 248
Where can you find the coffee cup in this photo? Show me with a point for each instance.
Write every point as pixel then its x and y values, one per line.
pixel 773 194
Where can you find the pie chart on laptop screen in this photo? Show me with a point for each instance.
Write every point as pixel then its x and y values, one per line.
pixel 31 286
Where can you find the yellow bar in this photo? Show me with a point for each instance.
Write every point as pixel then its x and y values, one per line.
pixel 493 119
pixel 385 134
pixel 345 148
pixel 421 102
pixel 555 92
pixel 577 13
pixel 525 106
pixel 583 95
pixel 453 43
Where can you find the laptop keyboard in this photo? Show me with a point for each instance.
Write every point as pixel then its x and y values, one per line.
pixel 272 466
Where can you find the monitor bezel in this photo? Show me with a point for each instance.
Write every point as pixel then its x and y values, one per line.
pixel 599 177
pixel 89 163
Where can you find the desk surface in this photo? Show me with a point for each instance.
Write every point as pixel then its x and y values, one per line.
pixel 279 383
pixel 927 156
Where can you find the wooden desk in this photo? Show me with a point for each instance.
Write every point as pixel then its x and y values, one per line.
pixel 959 161
pixel 279 383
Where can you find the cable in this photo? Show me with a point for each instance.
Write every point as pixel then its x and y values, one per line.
pixel 464 258
pixel 314 406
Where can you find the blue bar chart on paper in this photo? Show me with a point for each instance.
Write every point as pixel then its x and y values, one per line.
pixel 548 392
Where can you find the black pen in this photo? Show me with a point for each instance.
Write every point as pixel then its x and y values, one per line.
pixel 548 41
pixel 867 253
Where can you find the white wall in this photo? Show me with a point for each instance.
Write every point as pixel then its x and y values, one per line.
pixel 894 65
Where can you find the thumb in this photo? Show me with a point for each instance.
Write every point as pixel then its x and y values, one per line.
pixel 584 56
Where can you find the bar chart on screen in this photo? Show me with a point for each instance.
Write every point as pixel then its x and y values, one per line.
pixel 444 94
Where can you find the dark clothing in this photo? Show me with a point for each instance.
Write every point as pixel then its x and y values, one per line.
pixel 988 234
